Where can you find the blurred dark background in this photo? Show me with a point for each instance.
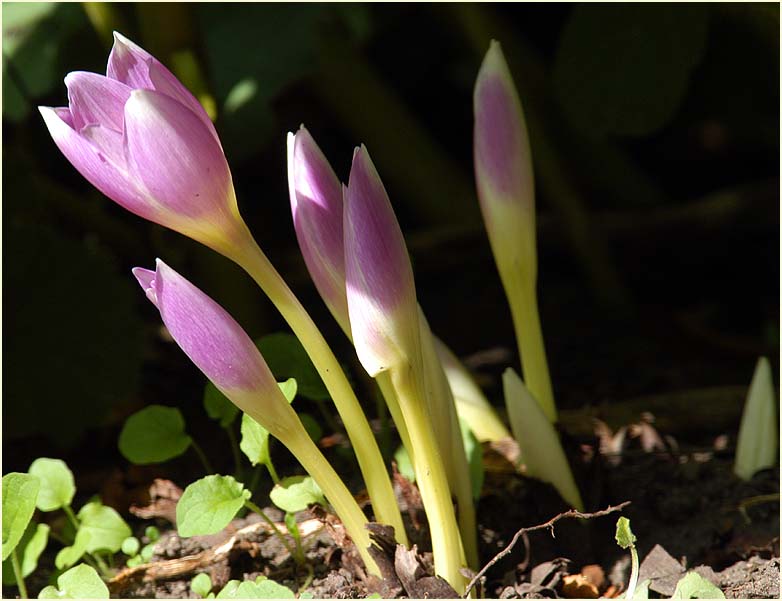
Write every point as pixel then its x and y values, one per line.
pixel 655 135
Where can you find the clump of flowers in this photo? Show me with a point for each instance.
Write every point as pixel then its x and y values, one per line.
pixel 143 140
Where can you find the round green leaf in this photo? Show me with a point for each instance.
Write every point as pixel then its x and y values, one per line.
pixel 295 493
pixel 57 486
pixel 130 546
pixel 103 528
pixel 68 556
pixel 255 440
pixel 289 388
pixel 624 68
pixel 201 585
pixel 32 545
pixel 153 435
pixel 287 358
pixel 81 582
pixel 152 533
pixel 218 406
pixel 20 492
pixel 209 504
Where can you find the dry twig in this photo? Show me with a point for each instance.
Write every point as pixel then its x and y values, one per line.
pixel 550 524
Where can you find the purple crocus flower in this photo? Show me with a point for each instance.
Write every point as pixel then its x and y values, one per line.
pixel 379 278
pixel 316 196
pixel 217 345
pixel 140 137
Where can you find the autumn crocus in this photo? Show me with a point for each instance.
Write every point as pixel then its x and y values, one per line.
pixel 504 178
pixel 383 313
pixel 141 138
pixel 223 351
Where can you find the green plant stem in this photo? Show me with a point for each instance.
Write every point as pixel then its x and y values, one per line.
pixel 253 507
pixel 431 477
pixel 523 301
pixel 308 579
pixel 18 575
pixel 202 457
pixel 251 258
pixel 633 573
pixel 234 450
pixel 104 569
pixel 272 472
pixel 71 517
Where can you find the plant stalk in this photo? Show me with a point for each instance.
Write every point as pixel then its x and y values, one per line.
pixel 431 477
pixel 18 575
pixel 202 457
pixel 253 507
pixel 252 259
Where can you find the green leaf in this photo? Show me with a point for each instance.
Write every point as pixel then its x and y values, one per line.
pixel 289 388
pixel 694 586
pixel 209 504
pixel 255 440
pixel 20 492
pixel 130 546
pixel 81 582
pixel 540 450
pixel 147 551
pixel 757 446
pixel 625 68
pixel 153 435
pixel 624 536
pixel 403 463
pixel 295 493
pixel 32 544
pixel 134 561
pixel 152 533
pixel 218 406
pixel 474 452
pixel 262 588
pixel 57 486
pixel 201 585
pixel 103 528
pixel 287 358
pixel 68 556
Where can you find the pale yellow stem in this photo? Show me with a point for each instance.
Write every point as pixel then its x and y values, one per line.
pixel 252 259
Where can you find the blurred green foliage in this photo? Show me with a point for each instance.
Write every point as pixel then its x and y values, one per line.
pixel 636 105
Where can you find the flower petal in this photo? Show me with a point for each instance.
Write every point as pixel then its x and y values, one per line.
pixel 316 204
pixel 137 68
pixel 95 99
pixel 207 333
pixel 146 279
pixel 108 142
pixel 503 165
pixel 176 157
pixel 94 165
pixel 379 278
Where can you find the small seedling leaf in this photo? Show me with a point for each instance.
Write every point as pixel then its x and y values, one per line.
pixel 255 440
pixel 81 582
pixel 218 406
pixel 295 493
pixel 260 589
pixel 153 435
pixel 757 444
pixel 147 551
pixel 152 533
pixel 57 485
pixel 624 536
pixel 289 388
pixel 130 546
pixel 104 526
pixel 20 492
pixel 403 463
pixel 68 556
pixel 29 549
pixel 209 504
pixel 287 358
pixel 201 585
pixel 694 586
